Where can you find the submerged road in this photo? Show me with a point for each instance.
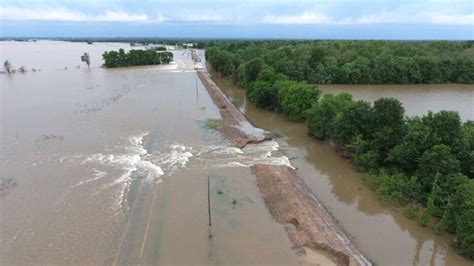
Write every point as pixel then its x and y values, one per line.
pixel 167 222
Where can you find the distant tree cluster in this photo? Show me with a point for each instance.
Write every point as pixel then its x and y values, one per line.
pixel 425 163
pixel 136 58
pixel 159 48
pixel 351 62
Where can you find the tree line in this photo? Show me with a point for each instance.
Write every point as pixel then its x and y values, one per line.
pixel 136 58
pixel 425 164
pixel 351 62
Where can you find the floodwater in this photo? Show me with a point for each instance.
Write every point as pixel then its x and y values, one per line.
pixel 54 55
pixel 417 99
pixel 380 230
pixel 111 166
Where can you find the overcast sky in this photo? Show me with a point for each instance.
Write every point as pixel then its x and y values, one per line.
pixel 382 19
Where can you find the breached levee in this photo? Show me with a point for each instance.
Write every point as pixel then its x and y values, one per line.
pixel 234 125
pixel 290 201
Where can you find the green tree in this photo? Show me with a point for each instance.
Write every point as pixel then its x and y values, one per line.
pixel 355 121
pixel 463 203
pixel 466 153
pixel 389 126
pixel 264 94
pixel 297 98
pixel 436 160
pixel 322 115
pixel 446 128
pixel 249 71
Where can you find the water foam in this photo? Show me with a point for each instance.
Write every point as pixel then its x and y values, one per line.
pixel 134 161
pixel 175 157
pixel 96 176
pixel 134 158
pixel 252 154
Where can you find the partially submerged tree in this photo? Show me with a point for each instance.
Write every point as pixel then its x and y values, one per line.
pixel 7 66
pixel 85 58
pixel 136 58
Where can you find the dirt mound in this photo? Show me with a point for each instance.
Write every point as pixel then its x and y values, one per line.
pixel 307 222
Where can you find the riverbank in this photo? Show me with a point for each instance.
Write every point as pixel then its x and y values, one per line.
pixel 291 203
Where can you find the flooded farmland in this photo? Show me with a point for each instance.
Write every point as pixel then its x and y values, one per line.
pixel 111 167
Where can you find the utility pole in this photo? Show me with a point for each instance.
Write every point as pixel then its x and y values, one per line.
pixel 209 201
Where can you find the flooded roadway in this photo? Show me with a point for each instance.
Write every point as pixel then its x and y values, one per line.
pixel 380 230
pixel 110 166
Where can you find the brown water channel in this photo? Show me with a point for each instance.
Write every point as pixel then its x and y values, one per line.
pixel 380 230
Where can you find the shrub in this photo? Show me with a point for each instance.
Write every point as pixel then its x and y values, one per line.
pixel 411 211
pixel 367 160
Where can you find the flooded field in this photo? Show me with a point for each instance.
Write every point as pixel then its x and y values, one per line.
pixel 380 230
pixel 417 99
pixel 111 167
pixel 56 55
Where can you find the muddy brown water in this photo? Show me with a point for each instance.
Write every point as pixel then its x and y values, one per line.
pixel 417 99
pixel 111 165
pixel 380 230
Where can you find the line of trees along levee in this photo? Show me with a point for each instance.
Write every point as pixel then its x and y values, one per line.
pixel 136 58
pixel 423 163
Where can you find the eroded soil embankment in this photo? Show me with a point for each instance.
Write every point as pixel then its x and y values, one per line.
pixel 291 203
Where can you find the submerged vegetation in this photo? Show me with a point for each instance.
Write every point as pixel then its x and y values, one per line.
pixel 211 124
pixel 425 162
pixel 86 59
pixel 136 58
pixel 7 66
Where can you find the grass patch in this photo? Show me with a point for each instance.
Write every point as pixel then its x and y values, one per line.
pixel 211 124
pixel 411 211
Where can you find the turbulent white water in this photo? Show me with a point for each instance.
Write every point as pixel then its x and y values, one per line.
pixel 262 153
pixel 134 161
pixel 96 176
pixel 168 159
